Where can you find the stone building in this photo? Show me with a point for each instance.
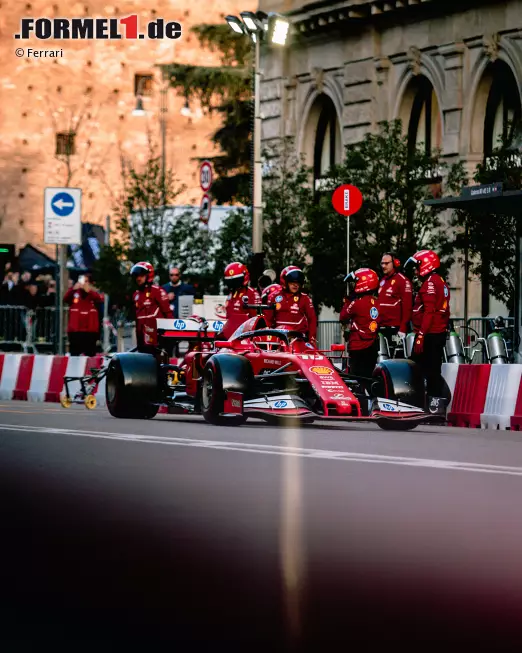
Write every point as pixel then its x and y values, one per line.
pixel 82 103
pixel 451 71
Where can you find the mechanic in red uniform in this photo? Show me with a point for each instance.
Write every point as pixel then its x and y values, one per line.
pixel 395 299
pixel 431 314
pixel 363 315
pixel 236 279
pixel 83 328
pixel 294 310
pixel 150 303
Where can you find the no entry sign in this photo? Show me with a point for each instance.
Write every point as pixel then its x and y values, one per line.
pixel 347 199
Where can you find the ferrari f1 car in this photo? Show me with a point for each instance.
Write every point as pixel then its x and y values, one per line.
pixel 266 373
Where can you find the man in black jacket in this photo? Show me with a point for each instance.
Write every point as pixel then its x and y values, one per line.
pixel 175 288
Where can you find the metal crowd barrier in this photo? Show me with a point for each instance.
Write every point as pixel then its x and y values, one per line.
pixel 35 331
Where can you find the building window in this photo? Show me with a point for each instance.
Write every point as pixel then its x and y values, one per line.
pixel 143 84
pixel 325 145
pixel 65 144
pixel 424 127
pixel 502 108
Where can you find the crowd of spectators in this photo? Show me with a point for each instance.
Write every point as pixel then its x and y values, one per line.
pixel 27 289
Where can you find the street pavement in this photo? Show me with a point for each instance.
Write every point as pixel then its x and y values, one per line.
pixel 175 535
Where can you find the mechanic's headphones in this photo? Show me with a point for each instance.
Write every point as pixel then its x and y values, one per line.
pixel 395 260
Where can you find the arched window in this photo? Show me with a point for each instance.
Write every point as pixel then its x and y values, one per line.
pixel 424 123
pixel 322 143
pixel 327 138
pixel 503 110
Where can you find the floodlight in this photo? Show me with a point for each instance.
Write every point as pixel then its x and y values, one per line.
pixel 278 28
pixel 235 24
pixel 251 21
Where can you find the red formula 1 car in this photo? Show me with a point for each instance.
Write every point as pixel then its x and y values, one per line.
pixel 272 374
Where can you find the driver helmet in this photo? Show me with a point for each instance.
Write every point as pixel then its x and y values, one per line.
pixel 425 261
pixel 365 280
pixel 275 287
pixel 292 273
pixel 141 268
pixel 236 275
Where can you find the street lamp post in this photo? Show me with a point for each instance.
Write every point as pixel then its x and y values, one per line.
pixel 257 26
pixel 140 111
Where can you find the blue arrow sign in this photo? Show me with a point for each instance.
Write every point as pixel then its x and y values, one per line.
pixel 62 204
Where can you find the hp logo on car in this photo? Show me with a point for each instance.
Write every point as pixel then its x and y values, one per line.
pixel 217 326
pixel 180 324
pixel 280 404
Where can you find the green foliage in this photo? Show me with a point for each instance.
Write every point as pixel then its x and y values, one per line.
pixel 287 196
pixel 394 182
pixel 227 89
pixel 234 241
pixel 492 238
pixel 148 232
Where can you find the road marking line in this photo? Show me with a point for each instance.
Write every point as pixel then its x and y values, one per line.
pixel 243 447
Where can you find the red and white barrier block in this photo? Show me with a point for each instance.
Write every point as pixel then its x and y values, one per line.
pixel 30 377
pixel 485 396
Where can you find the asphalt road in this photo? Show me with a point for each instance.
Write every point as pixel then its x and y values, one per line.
pixel 177 536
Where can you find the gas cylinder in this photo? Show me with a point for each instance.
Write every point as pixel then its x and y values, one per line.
pixel 384 349
pixel 454 349
pixel 497 350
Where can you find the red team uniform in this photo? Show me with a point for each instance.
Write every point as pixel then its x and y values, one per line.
pixel 237 278
pixel 363 315
pixel 150 303
pixel 293 311
pixel 431 313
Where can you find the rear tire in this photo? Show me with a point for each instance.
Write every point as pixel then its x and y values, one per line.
pixel 399 380
pixel 132 386
pixel 222 373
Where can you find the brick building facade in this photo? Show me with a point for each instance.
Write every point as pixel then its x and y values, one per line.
pixel 452 73
pixel 91 91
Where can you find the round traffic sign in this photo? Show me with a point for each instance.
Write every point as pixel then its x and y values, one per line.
pixel 205 208
pixel 62 204
pixel 347 199
pixel 205 176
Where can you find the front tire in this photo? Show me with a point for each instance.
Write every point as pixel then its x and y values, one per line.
pixel 399 380
pixel 131 386
pixel 224 373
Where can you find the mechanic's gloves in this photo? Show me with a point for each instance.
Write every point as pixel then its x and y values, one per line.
pixel 313 342
pixel 419 343
pixel 401 335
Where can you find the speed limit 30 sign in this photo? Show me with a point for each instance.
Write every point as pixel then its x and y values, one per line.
pixel 205 176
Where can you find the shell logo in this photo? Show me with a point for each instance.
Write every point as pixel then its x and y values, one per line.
pixel 231 272
pixel 373 327
pixel 322 371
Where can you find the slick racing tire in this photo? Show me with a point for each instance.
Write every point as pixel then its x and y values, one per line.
pixel 221 373
pixel 132 386
pixel 401 380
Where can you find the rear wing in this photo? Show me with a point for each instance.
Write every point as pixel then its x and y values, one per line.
pixel 190 329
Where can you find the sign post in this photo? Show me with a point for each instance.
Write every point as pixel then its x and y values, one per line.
pixel 205 181
pixel 106 338
pixel 347 200
pixel 62 227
